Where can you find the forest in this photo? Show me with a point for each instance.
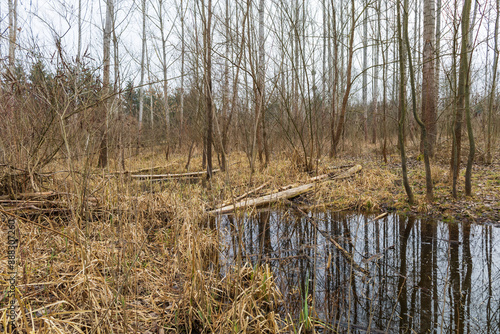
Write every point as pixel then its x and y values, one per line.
pixel 201 166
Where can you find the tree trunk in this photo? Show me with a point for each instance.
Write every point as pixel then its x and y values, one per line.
pixel 141 82
pixel 340 123
pixel 425 137
pixel 12 35
pixel 262 81
pixel 208 87
pixel 402 106
pixel 183 51
pixel 428 77
pixel 164 72
pixel 437 60
pixel 365 70
pixel 463 75
pixel 491 100
pixel 103 154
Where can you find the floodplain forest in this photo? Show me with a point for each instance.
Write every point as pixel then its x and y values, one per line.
pixel 201 166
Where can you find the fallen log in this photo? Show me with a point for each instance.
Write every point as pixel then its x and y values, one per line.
pixel 171 176
pixel 343 175
pixel 254 190
pixel 285 194
pixel 29 195
pixel 267 199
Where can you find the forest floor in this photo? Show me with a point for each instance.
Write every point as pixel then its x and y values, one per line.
pixel 109 253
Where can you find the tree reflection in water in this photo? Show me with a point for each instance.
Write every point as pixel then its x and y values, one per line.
pixel 425 276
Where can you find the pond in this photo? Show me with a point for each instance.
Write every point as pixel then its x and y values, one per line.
pixel 399 274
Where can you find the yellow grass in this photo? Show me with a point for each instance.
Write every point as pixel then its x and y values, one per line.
pixel 147 257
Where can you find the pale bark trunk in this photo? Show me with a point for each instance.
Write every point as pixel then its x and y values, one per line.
pixel 103 154
pixel 429 76
pixel 164 70
pixel 181 111
pixel 437 58
pixel 365 70
pixel 402 105
pixel 12 35
pixel 141 82
pixel 208 87
pixel 493 86
pixel 425 140
pixel 463 80
pixel 262 81
pixel 345 99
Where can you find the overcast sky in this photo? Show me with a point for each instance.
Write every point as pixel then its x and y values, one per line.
pixel 42 22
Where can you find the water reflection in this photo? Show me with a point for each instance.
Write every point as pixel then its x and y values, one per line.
pixel 424 276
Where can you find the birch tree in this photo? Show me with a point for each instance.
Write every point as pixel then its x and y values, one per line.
pixel 143 70
pixel 462 98
pixel 12 35
pixel 207 52
pixel 429 76
pixel 103 154
pixel 491 98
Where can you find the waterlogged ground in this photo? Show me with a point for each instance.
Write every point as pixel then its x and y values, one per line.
pixel 422 276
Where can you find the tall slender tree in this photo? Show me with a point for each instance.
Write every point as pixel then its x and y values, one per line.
pixel 402 102
pixel 143 70
pixel 12 35
pixel 428 77
pixel 207 51
pixel 426 148
pixel 491 98
pixel 365 69
pixel 183 52
pixel 463 87
pixel 103 154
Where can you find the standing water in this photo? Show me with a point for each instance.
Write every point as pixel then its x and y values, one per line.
pixel 399 274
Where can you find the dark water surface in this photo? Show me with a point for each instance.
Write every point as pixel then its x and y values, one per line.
pixel 424 276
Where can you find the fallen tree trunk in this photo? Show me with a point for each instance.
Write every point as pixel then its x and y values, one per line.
pixel 285 194
pixel 248 193
pixel 333 176
pixel 29 195
pixel 171 176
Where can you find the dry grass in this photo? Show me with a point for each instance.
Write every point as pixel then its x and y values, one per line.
pixel 148 256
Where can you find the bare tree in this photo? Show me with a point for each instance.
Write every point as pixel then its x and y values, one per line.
pixel 183 51
pixel 425 140
pixel 402 100
pixel 462 99
pixel 491 98
pixel 103 154
pixel 429 76
pixel 143 70
pixel 12 34
pixel 365 69
pixel 164 66
pixel 345 99
pixel 207 52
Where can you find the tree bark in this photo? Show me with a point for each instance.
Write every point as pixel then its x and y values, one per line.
pixel 491 99
pixel 428 77
pixel 425 137
pixel 103 154
pixel 12 35
pixel 164 71
pixel 340 123
pixel 208 87
pixel 402 105
pixel 463 81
